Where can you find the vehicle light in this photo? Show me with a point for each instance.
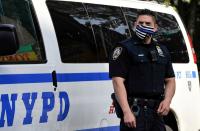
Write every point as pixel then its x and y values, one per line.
pixel 193 51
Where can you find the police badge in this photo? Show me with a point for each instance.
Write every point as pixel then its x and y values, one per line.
pixel 160 52
pixel 117 52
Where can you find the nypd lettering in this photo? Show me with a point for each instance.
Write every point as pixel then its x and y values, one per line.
pixel 116 53
pixel 8 107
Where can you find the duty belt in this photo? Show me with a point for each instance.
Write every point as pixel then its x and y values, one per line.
pixel 137 103
pixel 151 103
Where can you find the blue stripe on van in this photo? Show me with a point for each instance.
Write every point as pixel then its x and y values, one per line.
pixel 47 77
pixel 25 78
pixel 61 77
pixel 75 77
pixel 110 128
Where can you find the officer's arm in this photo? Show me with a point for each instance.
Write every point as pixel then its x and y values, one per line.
pixel 164 106
pixel 170 87
pixel 120 92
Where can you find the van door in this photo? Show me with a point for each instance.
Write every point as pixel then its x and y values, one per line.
pixel 27 97
pixel 86 33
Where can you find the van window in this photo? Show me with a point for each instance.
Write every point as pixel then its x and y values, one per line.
pixel 87 32
pixel 74 32
pixel 109 27
pixel 169 34
pixel 21 14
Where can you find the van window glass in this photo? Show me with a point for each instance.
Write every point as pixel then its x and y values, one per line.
pixel 74 32
pixel 169 34
pixel 21 14
pixel 109 27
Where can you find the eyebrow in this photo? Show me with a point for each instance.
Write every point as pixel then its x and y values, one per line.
pixel 141 22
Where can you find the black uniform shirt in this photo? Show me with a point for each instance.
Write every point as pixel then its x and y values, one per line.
pixel 119 62
pixel 143 75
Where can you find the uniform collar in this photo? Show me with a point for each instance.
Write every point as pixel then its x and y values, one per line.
pixel 138 41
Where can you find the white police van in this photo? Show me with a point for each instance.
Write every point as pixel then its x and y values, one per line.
pixel 58 78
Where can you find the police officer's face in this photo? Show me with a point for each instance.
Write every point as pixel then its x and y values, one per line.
pixel 146 20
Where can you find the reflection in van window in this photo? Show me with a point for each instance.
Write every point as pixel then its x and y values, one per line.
pixel 86 33
pixel 74 32
pixel 20 13
pixel 168 34
pixel 109 27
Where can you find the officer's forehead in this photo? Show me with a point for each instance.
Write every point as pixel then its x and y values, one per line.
pixel 148 18
pixel 145 18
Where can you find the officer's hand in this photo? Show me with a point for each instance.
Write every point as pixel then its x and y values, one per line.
pixel 129 119
pixel 164 107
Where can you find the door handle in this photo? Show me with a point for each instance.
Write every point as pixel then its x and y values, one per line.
pixel 54 78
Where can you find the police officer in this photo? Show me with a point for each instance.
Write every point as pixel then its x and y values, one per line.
pixel 143 77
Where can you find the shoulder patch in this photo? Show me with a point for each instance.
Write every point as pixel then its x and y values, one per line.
pixel 116 53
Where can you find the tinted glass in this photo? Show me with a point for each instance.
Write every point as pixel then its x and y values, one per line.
pixel 74 32
pixel 168 34
pixel 109 27
pixel 87 32
pixel 21 14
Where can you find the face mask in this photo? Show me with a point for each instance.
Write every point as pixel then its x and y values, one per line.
pixel 143 31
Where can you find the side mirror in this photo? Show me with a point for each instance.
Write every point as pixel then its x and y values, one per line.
pixel 9 42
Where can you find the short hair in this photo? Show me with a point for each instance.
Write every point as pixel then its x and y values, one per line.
pixel 147 12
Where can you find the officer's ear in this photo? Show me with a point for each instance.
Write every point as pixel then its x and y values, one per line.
pixel 134 25
pixel 155 27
